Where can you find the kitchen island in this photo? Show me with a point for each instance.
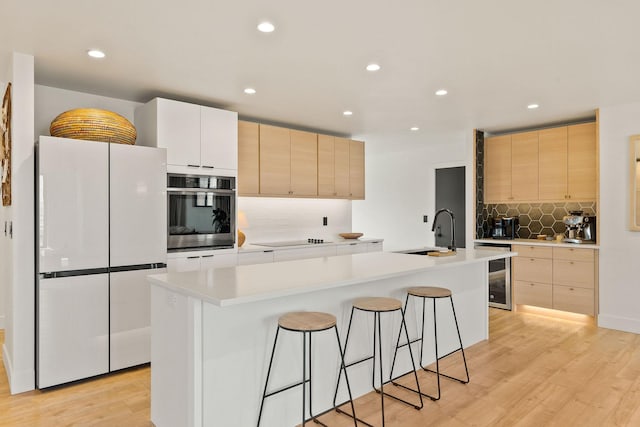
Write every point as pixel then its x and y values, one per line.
pixel 212 330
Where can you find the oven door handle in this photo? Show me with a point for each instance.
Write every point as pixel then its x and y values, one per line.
pixel 183 191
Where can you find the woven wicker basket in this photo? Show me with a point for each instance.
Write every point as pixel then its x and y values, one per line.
pixel 93 124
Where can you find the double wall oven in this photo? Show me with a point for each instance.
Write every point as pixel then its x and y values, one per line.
pixel 201 212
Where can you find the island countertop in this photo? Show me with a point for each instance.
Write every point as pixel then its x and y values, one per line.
pixel 249 283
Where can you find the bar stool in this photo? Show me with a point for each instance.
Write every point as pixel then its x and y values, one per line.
pixel 306 323
pixel 377 306
pixel 433 293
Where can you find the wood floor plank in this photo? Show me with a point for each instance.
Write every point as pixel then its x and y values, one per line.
pixel 533 371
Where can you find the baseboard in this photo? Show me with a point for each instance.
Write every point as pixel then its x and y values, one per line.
pixel 19 382
pixel 619 323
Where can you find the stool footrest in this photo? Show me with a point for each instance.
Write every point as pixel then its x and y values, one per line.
pixel 348 365
pixel 446 376
pixel 288 387
pixel 360 420
pixel 399 399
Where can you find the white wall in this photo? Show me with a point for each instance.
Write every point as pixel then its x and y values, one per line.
pixel 18 349
pixel 619 247
pixel 400 189
pixel 275 219
pixel 50 101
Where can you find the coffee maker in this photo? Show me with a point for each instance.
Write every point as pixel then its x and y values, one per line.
pixel 580 228
pixel 504 228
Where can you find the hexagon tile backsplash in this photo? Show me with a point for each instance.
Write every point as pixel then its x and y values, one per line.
pixel 535 218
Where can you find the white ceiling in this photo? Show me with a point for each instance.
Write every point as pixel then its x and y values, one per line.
pixel 493 56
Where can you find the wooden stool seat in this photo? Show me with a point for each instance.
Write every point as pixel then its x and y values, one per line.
pixel 377 304
pixel 429 292
pixel 307 321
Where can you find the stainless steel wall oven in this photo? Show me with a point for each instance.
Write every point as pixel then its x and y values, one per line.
pixel 201 212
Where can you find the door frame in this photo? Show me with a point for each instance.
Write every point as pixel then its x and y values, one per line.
pixel 469 190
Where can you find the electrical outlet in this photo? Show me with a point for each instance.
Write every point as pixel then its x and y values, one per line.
pixel 324 220
pixel 425 218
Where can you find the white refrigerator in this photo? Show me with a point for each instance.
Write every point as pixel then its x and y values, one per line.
pixel 101 228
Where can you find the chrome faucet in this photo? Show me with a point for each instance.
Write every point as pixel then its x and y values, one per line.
pixel 452 247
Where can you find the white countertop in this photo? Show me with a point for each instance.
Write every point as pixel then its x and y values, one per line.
pixel 247 283
pixel 248 247
pixel 536 242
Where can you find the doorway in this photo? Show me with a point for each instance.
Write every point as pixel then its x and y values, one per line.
pixel 450 194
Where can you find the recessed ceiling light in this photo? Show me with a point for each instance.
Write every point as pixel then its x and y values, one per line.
pixel 415 128
pixel 266 27
pixel 373 67
pixel 532 106
pixel 441 92
pixel 95 53
pixel 249 91
pixel 348 113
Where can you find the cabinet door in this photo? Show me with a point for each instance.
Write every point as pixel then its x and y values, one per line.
pixel 575 300
pixel 326 166
pixel 341 167
pixel 275 161
pixel 304 163
pixel 524 166
pixel 248 258
pixel 497 171
pixel 536 270
pixel 374 247
pixel 218 138
pixel 179 132
pixel 191 263
pixel 573 273
pixel 531 293
pixel 351 248
pixel 216 261
pixel 248 159
pixel 581 142
pixel 73 328
pixel 552 157
pixel 304 253
pixel 356 170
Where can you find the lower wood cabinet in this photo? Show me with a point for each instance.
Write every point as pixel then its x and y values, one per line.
pixel 559 278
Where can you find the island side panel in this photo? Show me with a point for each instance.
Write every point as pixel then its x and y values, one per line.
pixel 176 359
pixel 237 342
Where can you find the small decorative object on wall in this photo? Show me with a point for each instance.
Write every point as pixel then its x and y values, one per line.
pixel 5 147
pixel 93 124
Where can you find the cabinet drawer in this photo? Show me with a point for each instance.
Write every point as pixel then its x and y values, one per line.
pixel 532 269
pixel 531 293
pixel 576 300
pixel 573 273
pixel 573 254
pixel 533 251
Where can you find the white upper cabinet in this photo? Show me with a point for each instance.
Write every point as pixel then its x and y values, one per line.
pixel 195 137
pixel 218 138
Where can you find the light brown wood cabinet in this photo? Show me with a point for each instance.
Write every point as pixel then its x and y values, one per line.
pixel 248 158
pixel 555 164
pixel 288 162
pixel 281 162
pixel 497 169
pixel 559 278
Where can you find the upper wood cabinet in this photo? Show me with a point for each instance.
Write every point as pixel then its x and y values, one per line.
pixel 276 161
pixel 248 159
pixel 548 165
pixel 304 163
pixel 288 162
pixel 356 170
pixel 194 136
pixel 582 162
pixel 497 169
pixel 552 149
pixel 524 166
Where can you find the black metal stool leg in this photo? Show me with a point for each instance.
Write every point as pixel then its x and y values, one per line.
pixel 464 359
pixel 346 343
pixel 395 353
pixel 266 382
pixel 304 375
pixel 346 378
pixel 435 339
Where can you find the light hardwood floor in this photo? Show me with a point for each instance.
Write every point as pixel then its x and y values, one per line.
pixel 534 371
